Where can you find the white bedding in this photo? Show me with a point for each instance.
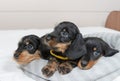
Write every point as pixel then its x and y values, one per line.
pixel 9 70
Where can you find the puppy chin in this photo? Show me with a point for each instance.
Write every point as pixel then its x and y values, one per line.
pixel 59 50
pixel 62 47
pixel 25 61
pixel 88 66
pixel 21 63
pixel 84 68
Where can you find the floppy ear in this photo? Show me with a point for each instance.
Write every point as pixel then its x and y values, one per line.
pixel 110 52
pixel 107 50
pixel 77 48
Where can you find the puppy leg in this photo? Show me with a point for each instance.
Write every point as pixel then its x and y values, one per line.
pixel 50 68
pixel 65 68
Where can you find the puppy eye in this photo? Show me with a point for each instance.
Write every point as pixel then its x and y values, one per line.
pixel 29 47
pixel 64 34
pixel 48 37
pixel 95 53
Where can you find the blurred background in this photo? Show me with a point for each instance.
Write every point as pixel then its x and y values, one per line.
pixel 39 14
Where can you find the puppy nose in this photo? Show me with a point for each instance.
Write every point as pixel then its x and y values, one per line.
pixel 16 55
pixel 84 63
pixel 48 37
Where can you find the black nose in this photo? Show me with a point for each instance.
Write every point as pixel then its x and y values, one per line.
pixel 16 55
pixel 48 37
pixel 84 63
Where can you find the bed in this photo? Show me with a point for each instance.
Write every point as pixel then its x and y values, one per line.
pixel 107 69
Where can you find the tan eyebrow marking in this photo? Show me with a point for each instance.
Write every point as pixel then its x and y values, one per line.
pixel 27 43
pixel 94 49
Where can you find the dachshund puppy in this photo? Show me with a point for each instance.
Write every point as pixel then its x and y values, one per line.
pixel 30 48
pixel 96 48
pixel 66 38
pixel 67 45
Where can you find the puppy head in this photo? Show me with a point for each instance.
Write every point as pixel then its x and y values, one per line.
pixel 96 48
pixel 62 36
pixel 28 49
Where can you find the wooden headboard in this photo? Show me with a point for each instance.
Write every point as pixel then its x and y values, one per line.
pixel 113 20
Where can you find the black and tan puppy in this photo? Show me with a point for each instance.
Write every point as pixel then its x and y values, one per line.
pixel 30 48
pixel 67 40
pixel 96 48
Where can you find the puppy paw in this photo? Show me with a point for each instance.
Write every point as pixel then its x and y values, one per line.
pixel 48 70
pixel 64 68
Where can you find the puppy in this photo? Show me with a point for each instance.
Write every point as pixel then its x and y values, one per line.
pixel 96 48
pixel 66 38
pixel 30 48
pixel 67 45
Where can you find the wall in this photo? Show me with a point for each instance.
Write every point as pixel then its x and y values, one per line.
pixel 23 14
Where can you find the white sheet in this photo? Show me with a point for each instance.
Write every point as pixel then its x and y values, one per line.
pixel 117 79
pixel 8 43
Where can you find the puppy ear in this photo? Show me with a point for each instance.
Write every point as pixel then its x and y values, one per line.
pixel 77 48
pixel 108 51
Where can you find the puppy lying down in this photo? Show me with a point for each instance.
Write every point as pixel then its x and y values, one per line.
pixel 67 46
pixel 96 48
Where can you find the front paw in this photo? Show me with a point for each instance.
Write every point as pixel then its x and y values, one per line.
pixel 48 71
pixel 64 68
